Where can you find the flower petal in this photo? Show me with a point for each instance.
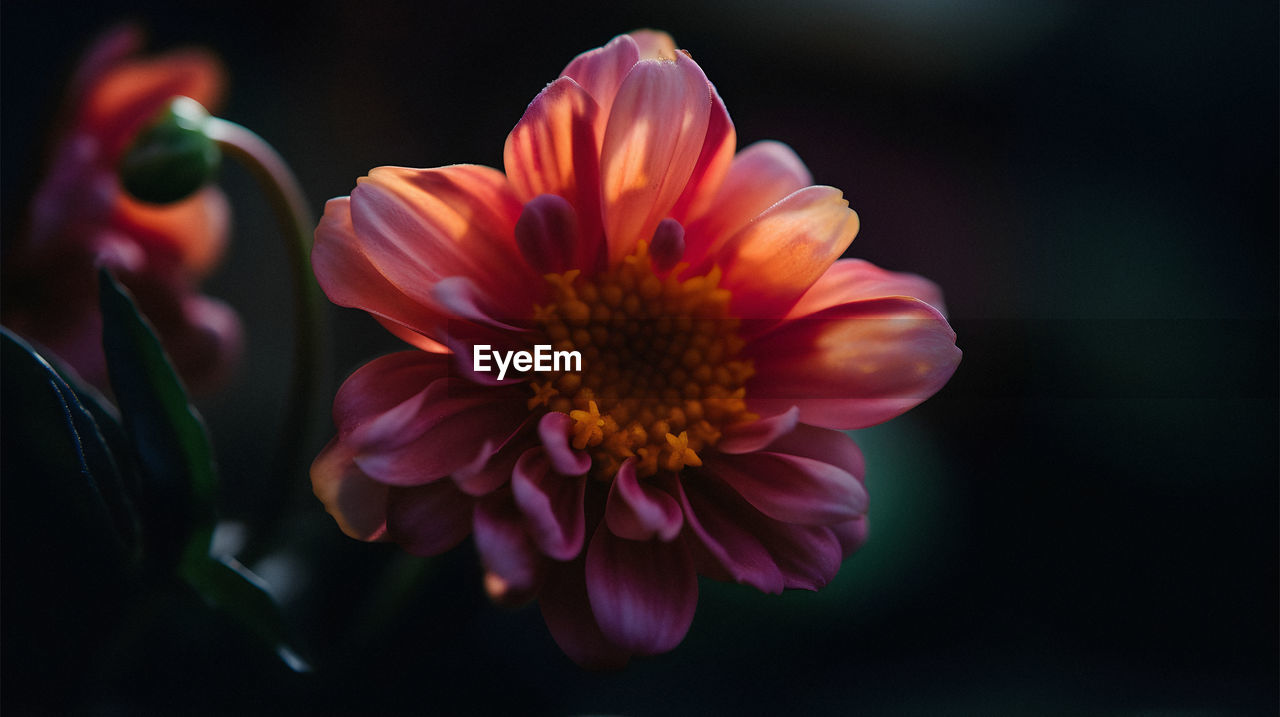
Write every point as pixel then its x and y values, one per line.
pixel 567 612
pixel 772 261
pixel 554 149
pixel 643 593
pixel 858 280
pixel 552 505
pixel 753 436
pixel 453 424
pixel 382 384
pixel 651 145
pixel 417 226
pixel 853 365
pixel 357 502
pixel 428 519
pixel 851 534
pixel 600 72
pixel 713 162
pixel 794 488
pixel 639 511
pixel 722 525
pixel 195 230
pixel 760 176
pixel 348 277
pixel 553 429
pixel 505 548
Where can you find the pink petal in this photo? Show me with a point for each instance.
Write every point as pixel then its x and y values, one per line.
pixel 548 236
pixel 504 546
pixel 494 468
pixel 858 280
pixel 554 149
pixel 417 226
pixel 552 505
pixel 851 534
pixel 429 519
pixel 383 384
pixel 567 611
pixel 793 489
pixel 350 279
pixel 713 162
pixel 853 365
pixel 651 145
pixel 601 71
pixel 760 176
pixel 639 511
pixel 773 260
pixel 667 248
pixel 721 524
pixel 411 337
pixel 356 502
pixel 654 44
pixel 808 556
pixel 643 593
pixel 455 424
pixel 553 429
pixel 751 437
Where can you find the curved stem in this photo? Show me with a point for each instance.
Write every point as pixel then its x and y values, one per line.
pixel 296 223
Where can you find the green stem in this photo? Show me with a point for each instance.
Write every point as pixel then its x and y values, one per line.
pixel 297 225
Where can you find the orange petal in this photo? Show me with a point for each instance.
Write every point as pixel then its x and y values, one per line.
pixel 651 145
pixel 194 230
pixel 554 150
pixel 772 261
pixel 859 280
pixel 759 177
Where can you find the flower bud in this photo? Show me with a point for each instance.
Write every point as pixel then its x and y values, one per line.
pixel 173 156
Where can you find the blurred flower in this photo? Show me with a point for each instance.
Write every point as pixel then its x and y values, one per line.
pixel 723 350
pixel 81 218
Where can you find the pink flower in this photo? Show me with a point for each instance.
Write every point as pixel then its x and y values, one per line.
pixel 723 350
pixel 81 219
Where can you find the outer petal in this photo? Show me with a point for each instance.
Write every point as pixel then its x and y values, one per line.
pixel 505 548
pixel 793 489
pixel 858 280
pixel 760 176
pixel 601 71
pixel 553 429
pixel 655 134
pixel 428 519
pixel 383 384
pixel 640 511
pixel 554 150
pixel 853 365
pixel 753 436
pixel 567 610
pixel 349 278
pixel 451 425
pixel 357 502
pixel 721 525
pixel 772 261
pixel 713 162
pixel 754 548
pixel 417 226
pixel 194 230
pixel 552 505
pixel 851 535
pixel 643 593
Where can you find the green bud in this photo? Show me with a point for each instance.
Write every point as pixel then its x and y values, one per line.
pixel 173 156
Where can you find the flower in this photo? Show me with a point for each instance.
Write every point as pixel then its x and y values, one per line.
pixel 81 218
pixel 723 350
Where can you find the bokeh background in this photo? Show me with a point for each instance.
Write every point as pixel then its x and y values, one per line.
pixel 1084 521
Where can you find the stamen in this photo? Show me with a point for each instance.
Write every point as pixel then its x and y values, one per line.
pixel 661 377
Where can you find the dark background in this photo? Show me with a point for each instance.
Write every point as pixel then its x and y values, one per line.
pixel 1083 521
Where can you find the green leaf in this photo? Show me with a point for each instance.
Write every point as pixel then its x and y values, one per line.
pixel 67 528
pixel 50 433
pixel 232 588
pixel 170 442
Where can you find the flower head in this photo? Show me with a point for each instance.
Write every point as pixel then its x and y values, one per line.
pixel 81 218
pixel 723 349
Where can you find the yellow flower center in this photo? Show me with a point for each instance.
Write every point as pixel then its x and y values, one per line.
pixel 660 377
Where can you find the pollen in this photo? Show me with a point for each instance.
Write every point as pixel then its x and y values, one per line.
pixel 662 375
